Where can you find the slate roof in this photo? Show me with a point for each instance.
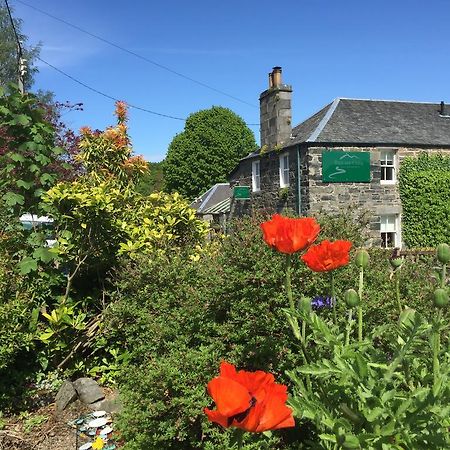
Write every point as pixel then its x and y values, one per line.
pixel 220 208
pixel 214 195
pixel 376 122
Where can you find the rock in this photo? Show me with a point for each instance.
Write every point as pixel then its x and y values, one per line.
pixel 111 405
pixel 88 390
pixel 66 395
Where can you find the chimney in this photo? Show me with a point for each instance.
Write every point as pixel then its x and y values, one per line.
pixel 275 112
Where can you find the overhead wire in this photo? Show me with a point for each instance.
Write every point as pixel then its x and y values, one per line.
pixel 106 95
pixel 19 45
pixel 137 55
pixel 97 91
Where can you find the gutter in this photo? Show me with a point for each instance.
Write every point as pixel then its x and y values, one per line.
pixel 299 186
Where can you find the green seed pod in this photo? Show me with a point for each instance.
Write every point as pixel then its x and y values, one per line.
pixel 351 298
pixel 443 253
pixel 396 262
pixel 305 305
pixel 440 298
pixel 362 258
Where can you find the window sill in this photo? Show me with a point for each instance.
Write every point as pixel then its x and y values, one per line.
pixel 388 182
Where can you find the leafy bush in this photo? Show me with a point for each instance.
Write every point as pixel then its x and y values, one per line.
pixel 360 396
pixel 212 143
pixel 29 159
pixel 425 195
pixel 178 318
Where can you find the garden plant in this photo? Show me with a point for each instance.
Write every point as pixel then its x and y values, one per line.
pixel 387 389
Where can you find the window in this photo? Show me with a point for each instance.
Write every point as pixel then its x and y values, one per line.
pixel 388 166
pixel 390 231
pixel 256 176
pixel 284 170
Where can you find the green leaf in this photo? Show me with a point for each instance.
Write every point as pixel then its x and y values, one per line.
pixel 42 159
pixel 13 199
pixel 24 184
pixel 328 437
pixel 27 265
pixel 46 335
pixel 44 254
pixel 21 119
pixel 17 157
pixel 373 414
pixel 46 178
pixel 351 441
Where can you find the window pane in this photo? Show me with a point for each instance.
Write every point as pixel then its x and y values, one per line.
pixel 256 175
pixel 387 223
pixel 284 170
pixel 389 173
pixel 388 240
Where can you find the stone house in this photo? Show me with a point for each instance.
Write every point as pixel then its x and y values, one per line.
pixel 345 157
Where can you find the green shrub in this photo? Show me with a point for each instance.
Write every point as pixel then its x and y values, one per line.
pixel 425 195
pixel 178 319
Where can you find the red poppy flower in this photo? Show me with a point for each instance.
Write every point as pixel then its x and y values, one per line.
pixel 290 235
pixel 327 255
pixel 248 400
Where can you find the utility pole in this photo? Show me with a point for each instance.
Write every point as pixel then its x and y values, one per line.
pixel 22 69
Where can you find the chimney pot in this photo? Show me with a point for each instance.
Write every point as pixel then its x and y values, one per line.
pixel 270 80
pixel 442 112
pixel 276 76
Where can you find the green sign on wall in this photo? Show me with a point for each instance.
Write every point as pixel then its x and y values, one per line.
pixel 241 192
pixel 345 167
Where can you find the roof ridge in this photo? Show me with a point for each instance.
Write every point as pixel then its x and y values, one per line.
pixel 314 135
pixel 388 101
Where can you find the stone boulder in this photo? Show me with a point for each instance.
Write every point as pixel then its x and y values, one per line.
pixel 66 395
pixel 88 390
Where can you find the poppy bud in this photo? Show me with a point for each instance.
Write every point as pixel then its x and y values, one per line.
pixel 396 262
pixel 443 253
pixel 305 305
pixel 440 298
pixel 351 298
pixel 362 258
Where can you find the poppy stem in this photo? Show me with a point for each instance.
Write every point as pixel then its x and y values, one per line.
pixel 240 439
pixel 288 285
pixel 349 327
pixel 333 296
pixel 436 346
pixel 397 290
pixel 360 293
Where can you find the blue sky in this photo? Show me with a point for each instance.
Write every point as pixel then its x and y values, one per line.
pixel 397 49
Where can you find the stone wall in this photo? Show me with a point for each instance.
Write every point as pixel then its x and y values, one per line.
pixel 372 199
pixel 271 198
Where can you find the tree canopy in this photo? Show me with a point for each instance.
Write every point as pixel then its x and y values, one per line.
pixel 212 143
pixel 9 62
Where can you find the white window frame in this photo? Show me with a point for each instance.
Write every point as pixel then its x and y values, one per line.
pixel 388 160
pixel 390 225
pixel 284 170
pixel 256 176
